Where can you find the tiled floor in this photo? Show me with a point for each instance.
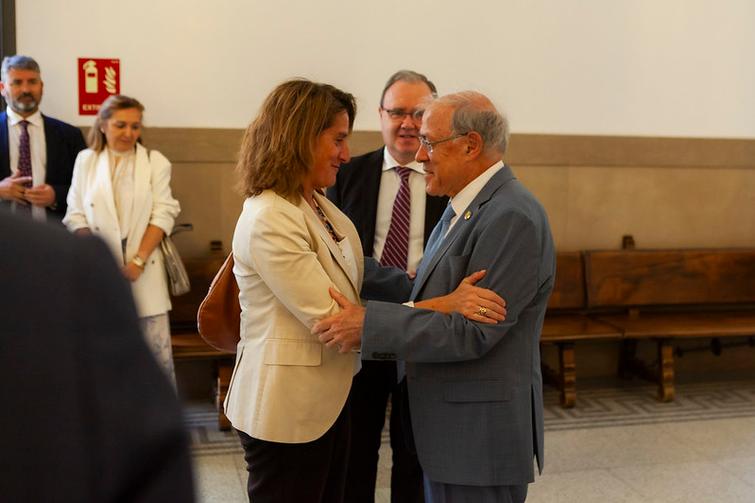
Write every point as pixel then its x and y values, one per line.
pixel 648 456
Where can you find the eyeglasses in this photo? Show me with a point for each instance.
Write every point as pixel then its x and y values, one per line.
pixel 430 145
pixel 398 114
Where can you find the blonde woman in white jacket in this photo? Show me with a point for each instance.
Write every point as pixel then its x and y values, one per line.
pixel 121 192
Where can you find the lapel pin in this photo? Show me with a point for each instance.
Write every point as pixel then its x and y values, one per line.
pixel 467 215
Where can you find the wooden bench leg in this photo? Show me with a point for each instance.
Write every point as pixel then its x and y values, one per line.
pixel 567 374
pixel 225 368
pixel 665 371
pixel 627 358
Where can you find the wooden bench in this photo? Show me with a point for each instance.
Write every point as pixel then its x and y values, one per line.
pixel 566 323
pixel 662 295
pixel 186 342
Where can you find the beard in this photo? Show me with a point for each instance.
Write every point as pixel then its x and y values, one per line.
pixel 29 105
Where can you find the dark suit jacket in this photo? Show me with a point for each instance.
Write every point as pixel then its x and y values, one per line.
pixel 64 142
pixel 356 194
pixel 87 414
pixel 475 390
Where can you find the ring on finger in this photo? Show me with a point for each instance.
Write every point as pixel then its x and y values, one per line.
pixel 482 311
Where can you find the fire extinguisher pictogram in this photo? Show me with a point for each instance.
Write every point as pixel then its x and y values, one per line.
pixel 90 77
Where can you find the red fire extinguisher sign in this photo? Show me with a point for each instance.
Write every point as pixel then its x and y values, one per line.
pixel 98 79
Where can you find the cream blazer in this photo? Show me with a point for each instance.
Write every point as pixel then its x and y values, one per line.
pixel 91 204
pixel 286 385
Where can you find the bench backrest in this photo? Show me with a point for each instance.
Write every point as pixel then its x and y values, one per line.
pixel 201 271
pixel 669 277
pixel 569 287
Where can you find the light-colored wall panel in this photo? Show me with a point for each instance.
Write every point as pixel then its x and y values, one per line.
pixel 195 144
pixel 621 151
pixel 708 203
pixel 660 207
pixel 208 202
pixel 231 203
pixel 551 187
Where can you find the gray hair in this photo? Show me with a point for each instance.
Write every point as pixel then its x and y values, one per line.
pixel 473 111
pixel 17 62
pixel 408 76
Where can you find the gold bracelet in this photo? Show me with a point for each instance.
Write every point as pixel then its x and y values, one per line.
pixel 138 262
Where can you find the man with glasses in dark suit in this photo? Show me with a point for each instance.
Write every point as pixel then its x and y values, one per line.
pixel 383 192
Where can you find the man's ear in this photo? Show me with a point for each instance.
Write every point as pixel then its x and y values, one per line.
pixel 474 143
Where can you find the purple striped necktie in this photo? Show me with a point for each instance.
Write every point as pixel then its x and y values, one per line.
pixel 396 249
pixel 24 152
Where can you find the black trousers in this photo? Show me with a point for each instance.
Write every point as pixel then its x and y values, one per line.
pixel 311 472
pixel 369 397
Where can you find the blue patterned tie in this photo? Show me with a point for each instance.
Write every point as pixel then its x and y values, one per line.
pixel 436 237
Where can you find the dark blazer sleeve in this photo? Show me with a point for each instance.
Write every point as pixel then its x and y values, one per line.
pixel 4 149
pixel 388 284
pixel 64 142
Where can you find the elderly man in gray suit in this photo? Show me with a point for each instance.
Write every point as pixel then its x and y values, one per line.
pixel 475 389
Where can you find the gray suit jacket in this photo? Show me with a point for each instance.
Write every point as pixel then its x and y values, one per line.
pixel 475 391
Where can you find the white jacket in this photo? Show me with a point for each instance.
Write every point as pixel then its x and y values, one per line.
pixel 91 204
pixel 286 385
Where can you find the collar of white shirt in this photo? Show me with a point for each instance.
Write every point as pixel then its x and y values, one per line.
pixel 466 195
pixel 389 163
pixel 14 118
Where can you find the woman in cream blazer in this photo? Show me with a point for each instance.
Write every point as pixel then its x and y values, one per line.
pixel 285 260
pixel 288 395
pixel 121 192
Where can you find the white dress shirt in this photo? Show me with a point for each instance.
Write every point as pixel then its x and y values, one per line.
pixel 37 146
pixel 390 181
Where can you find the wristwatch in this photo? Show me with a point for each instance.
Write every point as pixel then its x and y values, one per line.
pixel 138 262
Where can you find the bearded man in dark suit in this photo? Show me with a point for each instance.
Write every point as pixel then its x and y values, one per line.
pixel 37 152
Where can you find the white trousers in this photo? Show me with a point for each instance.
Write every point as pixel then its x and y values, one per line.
pixel 156 331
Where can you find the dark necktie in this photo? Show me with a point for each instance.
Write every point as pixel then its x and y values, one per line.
pixel 396 249
pixel 24 152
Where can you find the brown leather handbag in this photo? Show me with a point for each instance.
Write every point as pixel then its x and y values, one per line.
pixel 219 314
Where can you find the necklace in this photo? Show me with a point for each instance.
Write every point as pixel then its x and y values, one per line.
pixel 325 222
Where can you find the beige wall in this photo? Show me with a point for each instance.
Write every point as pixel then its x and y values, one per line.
pixel 666 192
